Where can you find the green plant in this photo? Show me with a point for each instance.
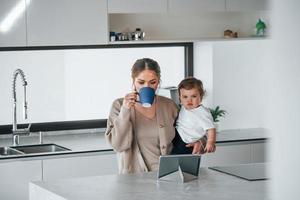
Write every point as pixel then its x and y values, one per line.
pixel 217 113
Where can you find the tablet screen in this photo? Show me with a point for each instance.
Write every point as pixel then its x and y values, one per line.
pixel 188 163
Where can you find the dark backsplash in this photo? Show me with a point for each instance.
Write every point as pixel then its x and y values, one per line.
pixel 58 126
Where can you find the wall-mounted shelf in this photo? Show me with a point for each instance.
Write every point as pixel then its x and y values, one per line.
pixel 187 40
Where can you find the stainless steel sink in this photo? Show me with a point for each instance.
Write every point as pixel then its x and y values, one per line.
pixel 40 148
pixel 7 151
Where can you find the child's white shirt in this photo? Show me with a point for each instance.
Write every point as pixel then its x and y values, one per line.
pixel 193 124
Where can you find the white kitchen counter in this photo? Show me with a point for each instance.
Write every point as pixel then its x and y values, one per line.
pixel 93 141
pixel 210 185
pixel 248 134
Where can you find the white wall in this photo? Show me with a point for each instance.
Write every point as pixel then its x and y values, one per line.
pixel 82 84
pixel 107 76
pixel 231 72
pixel 203 69
pixel 238 82
pixel 65 85
pixel 283 86
pixel 44 90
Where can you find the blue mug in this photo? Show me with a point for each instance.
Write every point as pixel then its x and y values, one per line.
pixel 146 95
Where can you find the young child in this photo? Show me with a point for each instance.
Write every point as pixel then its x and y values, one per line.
pixel 195 122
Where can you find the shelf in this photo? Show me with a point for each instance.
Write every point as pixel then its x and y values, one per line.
pixel 187 40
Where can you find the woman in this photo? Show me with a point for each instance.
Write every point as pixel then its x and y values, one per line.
pixel 140 135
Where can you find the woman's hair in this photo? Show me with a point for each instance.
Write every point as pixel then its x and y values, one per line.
pixel 143 64
pixel 190 83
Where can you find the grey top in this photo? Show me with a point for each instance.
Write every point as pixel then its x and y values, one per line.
pixel 210 185
pixel 257 171
pixel 82 141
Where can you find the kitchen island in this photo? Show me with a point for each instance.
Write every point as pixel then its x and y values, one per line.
pixel 91 155
pixel 209 185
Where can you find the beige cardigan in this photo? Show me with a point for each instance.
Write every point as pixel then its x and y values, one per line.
pixel 120 133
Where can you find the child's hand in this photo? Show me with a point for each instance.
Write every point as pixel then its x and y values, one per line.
pixel 210 147
pixel 198 147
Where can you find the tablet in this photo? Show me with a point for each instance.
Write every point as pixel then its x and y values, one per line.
pixel 187 163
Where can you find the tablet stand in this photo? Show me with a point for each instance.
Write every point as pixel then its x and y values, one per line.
pixel 179 176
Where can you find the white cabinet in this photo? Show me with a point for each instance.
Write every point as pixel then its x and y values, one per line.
pixel 247 5
pixel 71 167
pixel 259 152
pixel 15 178
pixel 16 175
pixel 137 6
pixel 227 155
pixel 12 23
pixel 184 6
pixel 67 22
pixel 195 6
pixel 236 153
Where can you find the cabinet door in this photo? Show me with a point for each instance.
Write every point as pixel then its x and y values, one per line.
pixel 259 152
pixel 67 22
pixel 80 166
pixel 12 23
pixel 228 155
pixel 15 178
pixel 137 6
pixel 195 6
pixel 246 5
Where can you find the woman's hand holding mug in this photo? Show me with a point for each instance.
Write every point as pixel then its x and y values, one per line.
pixel 130 100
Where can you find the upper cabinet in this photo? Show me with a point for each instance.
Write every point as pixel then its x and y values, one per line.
pixel 187 19
pixel 67 22
pixel 85 22
pixel 12 23
pixel 184 6
pixel 137 6
pixel 195 6
pixel 247 5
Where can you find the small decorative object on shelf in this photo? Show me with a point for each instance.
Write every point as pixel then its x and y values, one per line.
pixel 112 36
pixel 230 34
pixel 260 28
pixel 138 34
pixel 124 36
pixel 127 35
pixel 216 114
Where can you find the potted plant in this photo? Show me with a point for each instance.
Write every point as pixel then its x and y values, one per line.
pixel 216 114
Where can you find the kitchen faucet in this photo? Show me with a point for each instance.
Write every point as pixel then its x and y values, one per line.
pixel 15 131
